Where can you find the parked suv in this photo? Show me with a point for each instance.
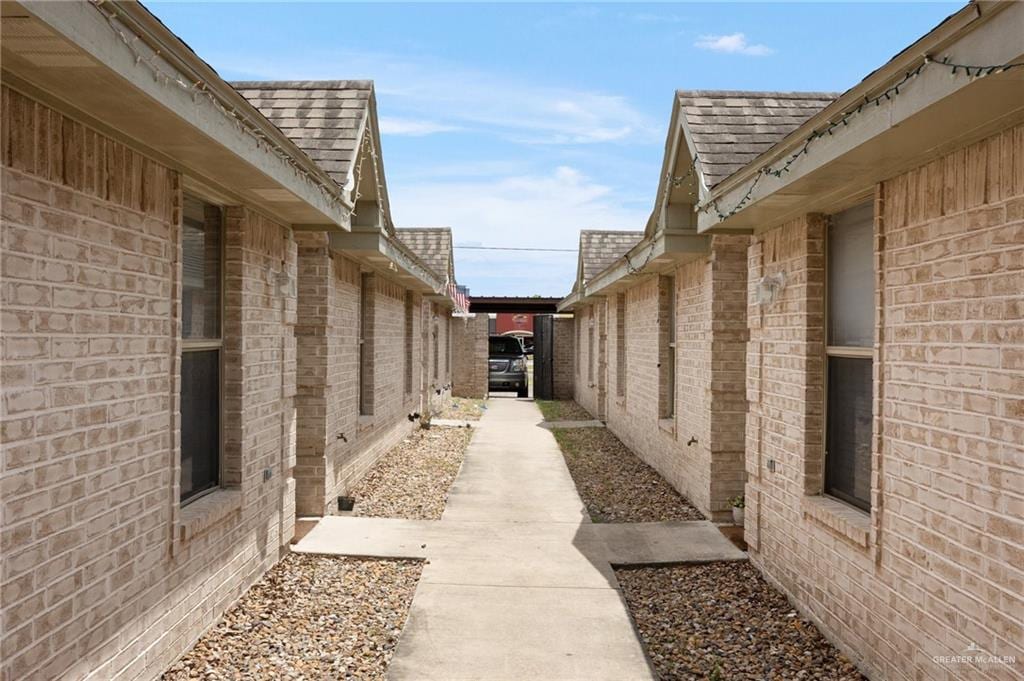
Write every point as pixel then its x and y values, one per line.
pixel 506 365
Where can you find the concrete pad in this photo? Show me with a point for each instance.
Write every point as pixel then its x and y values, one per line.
pixel 518 582
pixel 502 633
pixel 368 537
pixel 695 541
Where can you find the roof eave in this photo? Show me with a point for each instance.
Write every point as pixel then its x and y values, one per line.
pixel 185 128
pixel 867 139
pixel 569 302
pixel 384 252
pixel 652 255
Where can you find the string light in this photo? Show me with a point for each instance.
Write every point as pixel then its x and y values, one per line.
pixel 633 269
pixel 329 191
pixel 971 70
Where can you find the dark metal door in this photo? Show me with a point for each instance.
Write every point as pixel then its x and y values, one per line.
pixel 543 357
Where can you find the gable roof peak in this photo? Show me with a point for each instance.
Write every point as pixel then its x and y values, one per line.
pixel 730 128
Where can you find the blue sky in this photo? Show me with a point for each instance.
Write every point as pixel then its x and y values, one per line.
pixel 520 124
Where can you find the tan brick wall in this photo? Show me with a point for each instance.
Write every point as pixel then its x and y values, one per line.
pixel 937 565
pixel 592 357
pixel 564 344
pixel 101 570
pixel 438 387
pixel 710 405
pixel 336 445
pixel 469 355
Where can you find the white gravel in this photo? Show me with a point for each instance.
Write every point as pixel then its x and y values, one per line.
pixel 615 485
pixel 310 617
pixel 723 621
pixel 412 480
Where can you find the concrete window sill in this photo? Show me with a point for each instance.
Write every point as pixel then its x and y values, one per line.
pixel 203 513
pixel 850 522
pixel 364 422
pixel 668 426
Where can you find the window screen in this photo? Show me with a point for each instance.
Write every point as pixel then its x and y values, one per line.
pixel 848 440
pixel 851 278
pixel 200 421
pixel 201 258
pixel 201 269
pixel 366 356
pixel 620 345
pixel 667 346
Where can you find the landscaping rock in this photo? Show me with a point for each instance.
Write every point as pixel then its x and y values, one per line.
pixel 462 409
pixel 310 617
pixel 615 485
pixel 723 621
pixel 412 480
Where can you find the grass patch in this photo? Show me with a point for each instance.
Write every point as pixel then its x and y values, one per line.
pixel 562 410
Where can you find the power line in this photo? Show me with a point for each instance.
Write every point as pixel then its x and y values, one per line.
pixel 510 248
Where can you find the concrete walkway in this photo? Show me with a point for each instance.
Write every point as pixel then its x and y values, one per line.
pixel 518 583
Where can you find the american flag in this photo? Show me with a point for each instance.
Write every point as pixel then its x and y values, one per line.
pixel 458 295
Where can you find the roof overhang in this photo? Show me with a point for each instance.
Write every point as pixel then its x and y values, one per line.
pixel 383 252
pixel 513 304
pixel 932 115
pixel 99 68
pixel 653 255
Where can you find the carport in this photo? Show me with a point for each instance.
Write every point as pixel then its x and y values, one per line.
pixel 551 360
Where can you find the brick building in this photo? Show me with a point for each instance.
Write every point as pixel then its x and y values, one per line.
pixel 373 336
pixel 878 240
pixel 196 305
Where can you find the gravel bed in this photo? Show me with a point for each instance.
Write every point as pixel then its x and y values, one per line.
pixel 310 617
pixel 562 410
pixel 615 485
pixel 412 480
pixel 462 408
pixel 723 621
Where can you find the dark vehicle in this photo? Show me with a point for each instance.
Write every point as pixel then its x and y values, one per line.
pixel 506 365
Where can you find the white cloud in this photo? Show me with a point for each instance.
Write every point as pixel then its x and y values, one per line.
pixel 423 90
pixel 734 43
pixel 389 125
pixel 540 210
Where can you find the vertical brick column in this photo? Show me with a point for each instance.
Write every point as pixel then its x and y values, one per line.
pixel 469 350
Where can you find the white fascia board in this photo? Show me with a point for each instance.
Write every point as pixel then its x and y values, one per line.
pixel 82 24
pixel 649 256
pixel 568 303
pixel 998 41
pixel 377 249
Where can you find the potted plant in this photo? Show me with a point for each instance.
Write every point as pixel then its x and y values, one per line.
pixel 737 510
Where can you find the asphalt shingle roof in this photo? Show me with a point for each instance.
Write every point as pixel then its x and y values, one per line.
pixel 322 117
pixel 599 249
pixel 433 245
pixel 731 128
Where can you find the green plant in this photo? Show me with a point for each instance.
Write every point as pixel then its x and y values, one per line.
pixel 737 502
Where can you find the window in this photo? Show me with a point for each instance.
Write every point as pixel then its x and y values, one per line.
pixel 620 345
pixel 590 346
pixel 409 309
pixel 848 354
pixel 434 332
pixel 667 346
pixel 578 319
pixel 202 258
pixel 365 369
pixel 504 345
